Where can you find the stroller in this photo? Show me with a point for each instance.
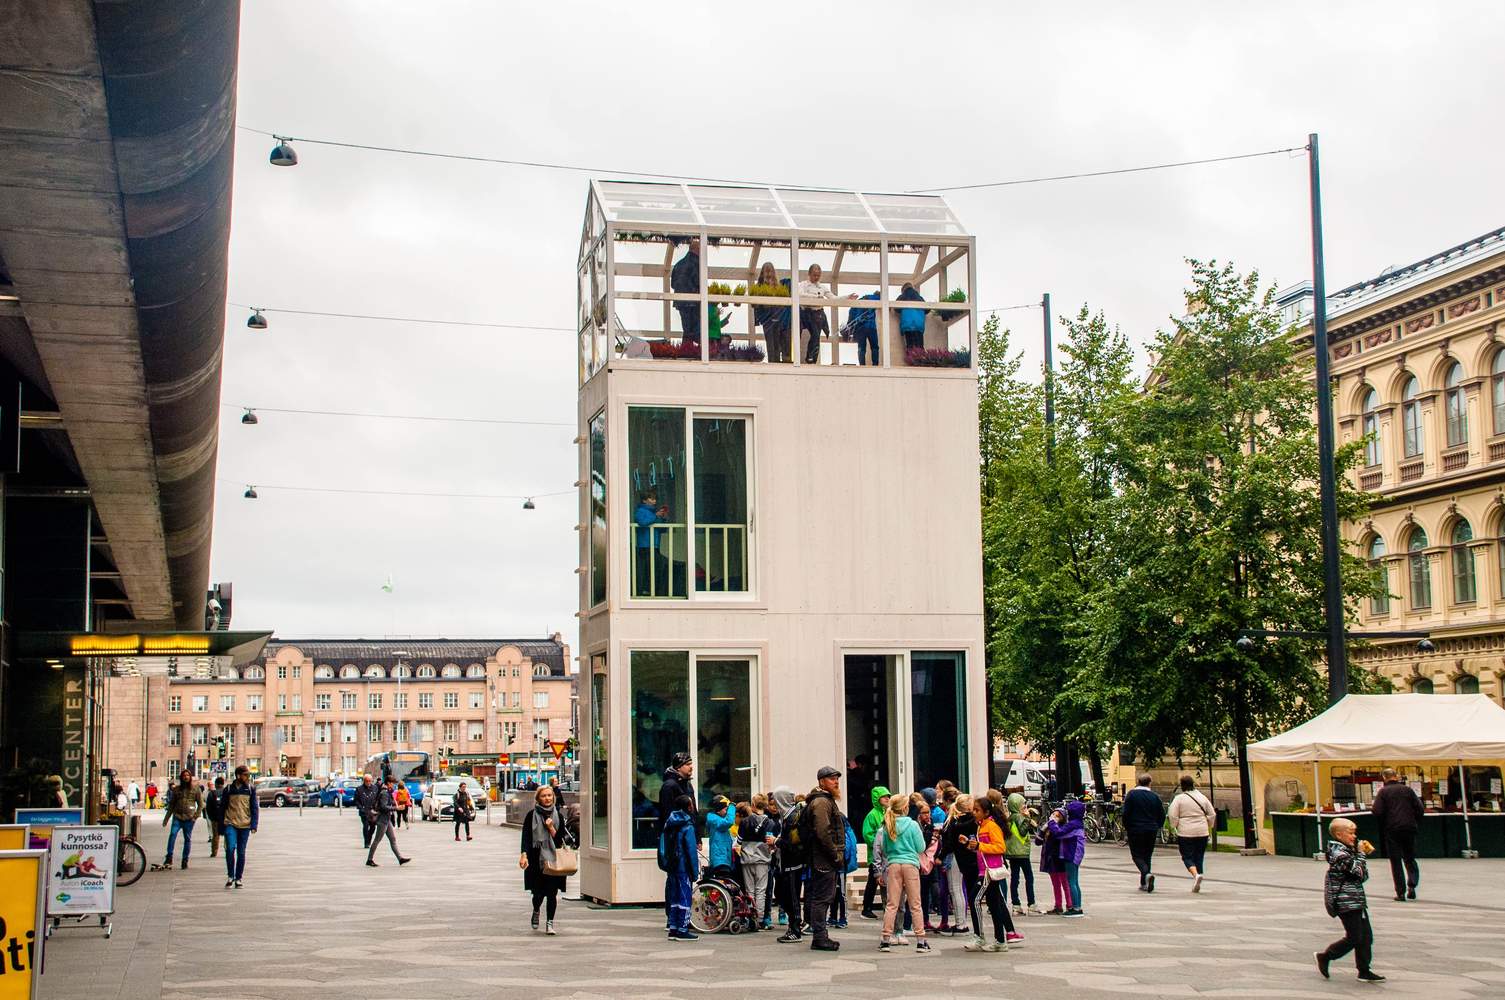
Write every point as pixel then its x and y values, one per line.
pixel 720 903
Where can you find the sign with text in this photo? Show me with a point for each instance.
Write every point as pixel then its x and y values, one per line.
pixel 81 863
pixel 75 730
pixel 22 874
pixel 42 821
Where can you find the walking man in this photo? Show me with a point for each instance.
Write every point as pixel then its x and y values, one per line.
pixel 828 847
pixel 184 804
pixel 366 807
pixel 1399 813
pixel 242 812
pixel 1343 892
pixel 1143 816
pixel 386 815
pixel 214 812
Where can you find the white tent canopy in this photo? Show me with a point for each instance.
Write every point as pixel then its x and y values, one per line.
pixel 1406 727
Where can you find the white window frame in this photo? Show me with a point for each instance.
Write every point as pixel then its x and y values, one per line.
pixel 693 410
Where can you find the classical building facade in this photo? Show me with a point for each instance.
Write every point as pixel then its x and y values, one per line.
pixel 324 706
pixel 1418 362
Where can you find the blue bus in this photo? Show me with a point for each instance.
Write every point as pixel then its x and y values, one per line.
pixel 411 767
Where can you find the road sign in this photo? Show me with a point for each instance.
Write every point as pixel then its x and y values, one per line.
pixel 504 758
pixel 559 747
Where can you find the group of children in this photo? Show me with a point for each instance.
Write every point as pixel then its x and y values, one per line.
pixel 935 857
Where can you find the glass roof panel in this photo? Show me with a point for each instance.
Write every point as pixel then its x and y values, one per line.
pixel 914 213
pixel 733 206
pixel 630 201
pixel 827 210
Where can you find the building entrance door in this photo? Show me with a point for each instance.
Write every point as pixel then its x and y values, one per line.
pixel 905 724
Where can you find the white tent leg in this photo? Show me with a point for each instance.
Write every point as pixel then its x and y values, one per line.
pixel 1468 839
pixel 1321 854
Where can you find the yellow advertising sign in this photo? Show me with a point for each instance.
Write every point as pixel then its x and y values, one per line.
pixel 13 837
pixel 22 874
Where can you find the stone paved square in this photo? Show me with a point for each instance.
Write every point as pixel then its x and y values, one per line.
pixel 312 921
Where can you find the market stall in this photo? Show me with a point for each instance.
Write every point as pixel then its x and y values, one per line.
pixel 1450 749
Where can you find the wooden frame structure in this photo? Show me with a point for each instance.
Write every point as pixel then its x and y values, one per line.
pixel 865 243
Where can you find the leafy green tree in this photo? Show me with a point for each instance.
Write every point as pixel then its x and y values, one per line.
pixel 1219 530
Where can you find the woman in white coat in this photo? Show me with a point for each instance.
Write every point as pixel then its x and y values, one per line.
pixel 1192 817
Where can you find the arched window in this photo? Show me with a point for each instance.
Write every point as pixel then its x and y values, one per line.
pixel 256 672
pixel 1465 587
pixel 540 670
pixel 1410 417
pixel 451 670
pixel 475 670
pixel 229 673
pixel 376 670
pixel 323 672
pixel 1457 409
pixel 1467 684
pixel 426 670
pixel 402 670
pixel 1421 570
pixel 1421 686
pixel 1371 428
pixel 1497 390
pixel 1380 603
pixel 350 670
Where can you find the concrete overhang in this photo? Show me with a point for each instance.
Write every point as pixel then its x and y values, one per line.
pixel 116 144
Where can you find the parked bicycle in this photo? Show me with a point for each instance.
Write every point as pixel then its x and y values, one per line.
pixel 130 861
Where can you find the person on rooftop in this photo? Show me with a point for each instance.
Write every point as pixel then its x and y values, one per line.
pixel 685 278
pixel 813 322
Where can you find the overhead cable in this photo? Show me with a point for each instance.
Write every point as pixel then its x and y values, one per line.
pixel 1106 173
pixel 394 493
pixel 404 319
pixel 397 416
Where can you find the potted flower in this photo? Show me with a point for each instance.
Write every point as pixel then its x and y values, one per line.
pixel 924 357
pixel 956 295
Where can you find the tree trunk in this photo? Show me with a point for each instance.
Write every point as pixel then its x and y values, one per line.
pixel 1095 759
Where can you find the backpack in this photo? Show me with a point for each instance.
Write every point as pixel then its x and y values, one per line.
pixel 927 860
pixel 663 852
pixel 795 837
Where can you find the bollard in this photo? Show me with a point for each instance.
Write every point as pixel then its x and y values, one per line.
pixel 301 797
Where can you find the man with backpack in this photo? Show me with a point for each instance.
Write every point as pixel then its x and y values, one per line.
pixel 821 830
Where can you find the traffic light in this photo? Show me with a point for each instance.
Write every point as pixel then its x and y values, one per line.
pixel 219 748
pixel 229 747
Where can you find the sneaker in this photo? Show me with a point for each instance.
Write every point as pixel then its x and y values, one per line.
pixel 976 944
pixel 535 920
pixel 1371 977
pixel 238 883
pixel 403 861
pixel 922 947
pixel 1400 898
pixel 789 937
pixel 168 862
pixel 1411 892
pixel 229 882
pixel 1196 883
pixel 766 925
pixel 185 863
pixel 866 915
pixel 783 919
pixel 372 864
pixel 1013 938
pixel 961 930
pixel 884 946
pixel 1036 910
pixel 825 944
pixel 1149 883
pixel 549 928
pixel 839 924
pixel 991 946
pixel 1322 963
pixel 1018 910
pixel 1057 912
pixel 683 936
pixel 1073 913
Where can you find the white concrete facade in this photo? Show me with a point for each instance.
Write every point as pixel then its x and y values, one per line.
pixel 865 539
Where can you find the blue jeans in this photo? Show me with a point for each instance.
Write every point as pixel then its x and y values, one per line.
pixel 236 840
pixel 1073 879
pixel 677 891
pixel 1016 867
pixel 185 825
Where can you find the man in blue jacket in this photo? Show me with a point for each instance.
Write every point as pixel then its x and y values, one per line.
pixel 864 324
pixel 1143 816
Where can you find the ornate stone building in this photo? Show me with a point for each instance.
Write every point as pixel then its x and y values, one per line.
pixel 1418 363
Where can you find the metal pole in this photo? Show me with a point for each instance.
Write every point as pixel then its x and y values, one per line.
pixel 1332 591
pixel 1317 802
pixel 1050 389
pixel 1468 839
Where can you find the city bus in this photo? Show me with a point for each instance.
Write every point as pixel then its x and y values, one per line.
pixel 411 767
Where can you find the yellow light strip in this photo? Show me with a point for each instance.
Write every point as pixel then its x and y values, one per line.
pixel 174 645
pixel 103 645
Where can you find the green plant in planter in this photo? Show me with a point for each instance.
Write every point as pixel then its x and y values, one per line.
pixel 721 288
pixel 955 295
pixel 779 290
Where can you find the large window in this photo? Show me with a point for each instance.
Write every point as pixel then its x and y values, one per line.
pixel 1456 406
pixel 598 508
pixel 1421 570
pixel 1497 390
pixel 690 513
pixel 1380 603
pixel 1467 684
pixel 1465 586
pixel 600 789
pixel 1410 410
pixel 1371 428
pixel 675 694
pixel 347 700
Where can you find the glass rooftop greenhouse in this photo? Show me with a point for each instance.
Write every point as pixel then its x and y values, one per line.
pixel 715 274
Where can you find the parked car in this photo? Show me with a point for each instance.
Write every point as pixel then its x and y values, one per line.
pixel 278 791
pixel 339 791
pixel 439 801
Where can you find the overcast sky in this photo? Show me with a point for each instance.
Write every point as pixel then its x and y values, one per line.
pixel 1404 95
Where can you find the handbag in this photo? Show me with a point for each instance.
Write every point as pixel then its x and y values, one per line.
pixel 566 862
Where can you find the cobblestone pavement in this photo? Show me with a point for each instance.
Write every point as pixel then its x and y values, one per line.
pixel 312 921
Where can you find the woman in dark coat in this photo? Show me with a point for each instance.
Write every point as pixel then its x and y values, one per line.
pixel 463 810
pixel 543 832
